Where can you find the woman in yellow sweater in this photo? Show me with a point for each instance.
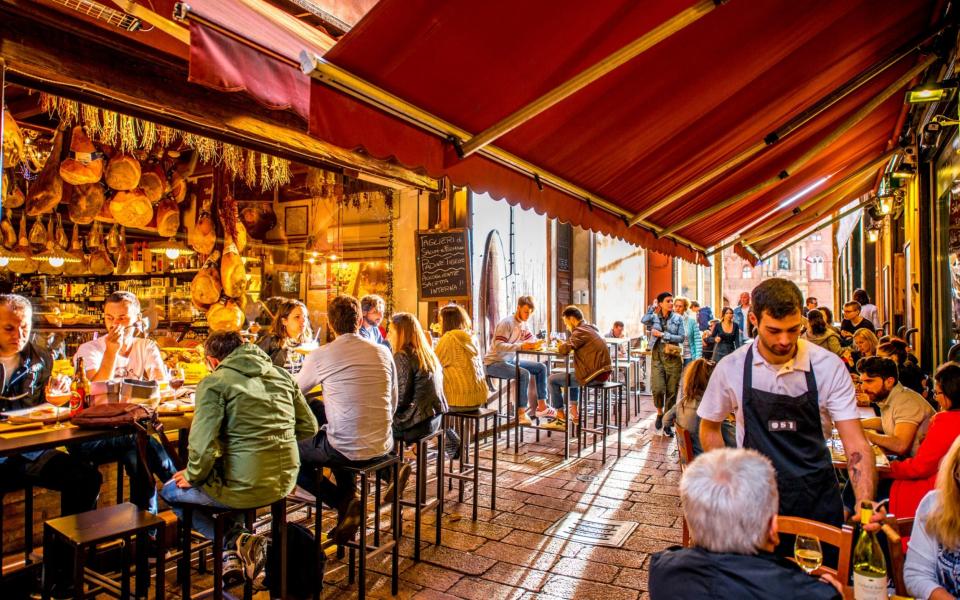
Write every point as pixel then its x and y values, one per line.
pixel 464 382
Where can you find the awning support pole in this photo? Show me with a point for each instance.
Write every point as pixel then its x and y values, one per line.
pixel 622 56
pixel 342 80
pixel 800 237
pixel 780 225
pixel 798 164
pixel 784 131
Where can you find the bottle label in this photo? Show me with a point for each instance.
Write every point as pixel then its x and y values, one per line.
pixel 869 588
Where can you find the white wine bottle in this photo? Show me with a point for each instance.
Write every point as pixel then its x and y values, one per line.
pixel 869 566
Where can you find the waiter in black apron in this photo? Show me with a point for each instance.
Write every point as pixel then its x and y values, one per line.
pixel 779 386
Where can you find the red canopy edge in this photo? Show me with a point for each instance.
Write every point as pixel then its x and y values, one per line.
pixel 334 115
pixel 745 254
pixel 253 47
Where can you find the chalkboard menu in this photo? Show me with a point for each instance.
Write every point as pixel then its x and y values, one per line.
pixel 443 264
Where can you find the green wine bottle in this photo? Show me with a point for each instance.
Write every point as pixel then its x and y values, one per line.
pixel 869 566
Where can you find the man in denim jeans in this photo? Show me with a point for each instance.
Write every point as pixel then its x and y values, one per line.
pixel 512 334
pixel 667 332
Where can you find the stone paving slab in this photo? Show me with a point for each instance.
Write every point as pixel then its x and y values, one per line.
pixel 505 555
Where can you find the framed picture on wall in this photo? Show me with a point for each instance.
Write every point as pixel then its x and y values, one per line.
pixel 296 220
pixel 288 282
pixel 317 276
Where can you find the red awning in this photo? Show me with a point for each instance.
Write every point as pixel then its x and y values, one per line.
pixel 252 46
pixel 656 123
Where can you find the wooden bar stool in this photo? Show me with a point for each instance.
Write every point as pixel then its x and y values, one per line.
pixel 467 470
pixel 596 395
pixel 278 524
pixel 420 502
pixel 365 471
pixel 83 531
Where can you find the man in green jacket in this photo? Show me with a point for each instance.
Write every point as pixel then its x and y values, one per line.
pixel 243 446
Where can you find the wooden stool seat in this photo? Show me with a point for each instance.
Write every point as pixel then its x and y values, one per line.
pixel 83 531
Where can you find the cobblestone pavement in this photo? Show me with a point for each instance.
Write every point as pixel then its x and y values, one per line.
pixel 505 553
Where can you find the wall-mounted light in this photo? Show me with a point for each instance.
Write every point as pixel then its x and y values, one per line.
pixel 885 204
pixel 931 92
pixel 872 235
pixel 903 172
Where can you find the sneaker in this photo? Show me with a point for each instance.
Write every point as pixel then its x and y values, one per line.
pixel 348 522
pixel 403 476
pixel 524 420
pixel 668 431
pixel 252 549
pixel 232 568
pixel 547 413
pixel 659 424
pixel 556 425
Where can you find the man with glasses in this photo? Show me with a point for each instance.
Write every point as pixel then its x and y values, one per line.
pixel 373 308
pixel 121 354
pixel 852 321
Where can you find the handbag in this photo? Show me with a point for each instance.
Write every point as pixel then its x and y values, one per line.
pixel 117 415
pixel 672 350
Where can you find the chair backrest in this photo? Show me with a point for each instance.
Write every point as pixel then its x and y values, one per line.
pixel 900 331
pixel 684 446
pixel 839 537
pixel 908 336
pixel 896 529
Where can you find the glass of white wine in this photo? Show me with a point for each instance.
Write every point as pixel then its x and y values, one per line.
pixel 807 552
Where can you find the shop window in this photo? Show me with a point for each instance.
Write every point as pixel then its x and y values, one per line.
pixel 783 261
pixel 747 272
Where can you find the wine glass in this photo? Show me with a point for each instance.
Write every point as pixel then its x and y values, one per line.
pixel 807 553
pixel 59 399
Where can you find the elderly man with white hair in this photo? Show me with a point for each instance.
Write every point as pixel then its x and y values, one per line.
pixel 730 502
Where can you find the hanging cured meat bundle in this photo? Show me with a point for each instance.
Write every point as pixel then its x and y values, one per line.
pixel 47 189
pixel 113 239
pixel 100 262
pixel 86 203
pixel 203 238
pixel 123 258
pixel 12 141
pixel 38 234
pixel 257 221
pixel 76 249
pixel 123 172
pixel 12 195
pixel 8 234
pixel 153 183
pixel 205 288
pixel 84 164
pixel 225 316
pixel 178 178
pixel 233 275
pixel 168 217
pixel 131 208
pixel 27 264
pixel 45 266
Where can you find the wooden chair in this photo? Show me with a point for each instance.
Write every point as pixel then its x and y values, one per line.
pixel 896 529
pixel 839 537
pixel 685 449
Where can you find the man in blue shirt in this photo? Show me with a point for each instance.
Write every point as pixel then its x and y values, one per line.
pixel 741 316
pixel 373 308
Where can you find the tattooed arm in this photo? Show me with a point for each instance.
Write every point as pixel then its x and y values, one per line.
pixel 861 464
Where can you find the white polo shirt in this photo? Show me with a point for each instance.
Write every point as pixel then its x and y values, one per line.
pixel 724 393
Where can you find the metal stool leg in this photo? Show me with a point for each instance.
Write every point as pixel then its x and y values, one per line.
pixel 476 466
pixel 493 474
pixel 364 494
pixel 184 567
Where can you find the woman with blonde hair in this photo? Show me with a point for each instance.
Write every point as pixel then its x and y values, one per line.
pixel 289 330
pixel 932 569
pixel 421 402
pixel 464 378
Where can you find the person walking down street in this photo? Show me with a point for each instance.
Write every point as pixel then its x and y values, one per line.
pixel 693 344
pixel 668 333
pixel 725 335
pixel 741 316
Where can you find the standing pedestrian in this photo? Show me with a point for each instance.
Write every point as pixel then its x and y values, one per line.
pixel 667 330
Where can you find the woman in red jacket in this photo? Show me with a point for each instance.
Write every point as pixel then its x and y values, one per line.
pixel 916 476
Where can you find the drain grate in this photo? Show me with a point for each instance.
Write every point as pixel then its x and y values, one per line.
pixel 593 531
pixel 586 478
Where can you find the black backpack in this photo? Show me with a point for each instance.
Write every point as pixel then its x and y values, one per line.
pixel 302 578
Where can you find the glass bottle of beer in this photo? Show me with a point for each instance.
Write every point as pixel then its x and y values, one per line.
pixel 80 388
